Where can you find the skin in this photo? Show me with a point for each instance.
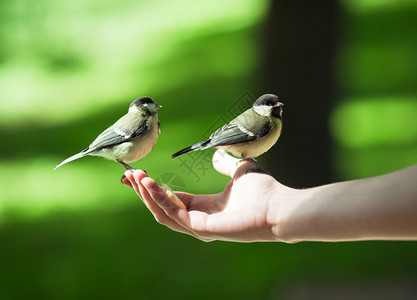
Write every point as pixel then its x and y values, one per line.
pixel 256 207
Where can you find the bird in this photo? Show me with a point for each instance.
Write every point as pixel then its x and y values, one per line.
pixel 250 134
pixel 129 139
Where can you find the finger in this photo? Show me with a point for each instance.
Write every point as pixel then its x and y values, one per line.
pixel 224 163
pixel 134 179
pixel 132 182
pixel 157 194
pixel 153 207
pixel 204 203
pixel 128 176
pixel 138 175
pixel 158 213
pixel 231 166
pixel 126 181
pixel 173 215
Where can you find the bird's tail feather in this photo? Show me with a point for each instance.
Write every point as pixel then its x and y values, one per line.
pixel 183 151
pixel 198 146
pixel 74 157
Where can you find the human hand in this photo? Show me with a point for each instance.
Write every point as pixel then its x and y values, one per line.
pixel 247 210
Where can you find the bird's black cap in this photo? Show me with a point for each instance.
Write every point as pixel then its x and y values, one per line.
pixel 267 99
pixel 141 101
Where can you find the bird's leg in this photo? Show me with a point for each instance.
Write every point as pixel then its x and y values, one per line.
pixel 126 165
pixel 127 168
pixel 257 168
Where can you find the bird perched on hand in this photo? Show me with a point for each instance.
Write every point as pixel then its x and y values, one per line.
pixel 129 139
pixel 249 135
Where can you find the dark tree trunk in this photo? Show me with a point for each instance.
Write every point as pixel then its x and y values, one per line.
pixel 299 47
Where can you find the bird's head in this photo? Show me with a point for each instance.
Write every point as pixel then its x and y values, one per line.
pixel 268 105
pixel 144 104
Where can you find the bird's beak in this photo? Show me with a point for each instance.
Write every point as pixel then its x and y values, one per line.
pixel 158 106
pixel 279 104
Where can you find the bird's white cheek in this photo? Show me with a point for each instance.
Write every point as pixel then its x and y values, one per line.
pixel 263 110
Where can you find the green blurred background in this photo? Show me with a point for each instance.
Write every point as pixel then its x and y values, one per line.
pixel 346 71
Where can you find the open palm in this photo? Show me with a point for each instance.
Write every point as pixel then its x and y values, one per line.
pixel 239 213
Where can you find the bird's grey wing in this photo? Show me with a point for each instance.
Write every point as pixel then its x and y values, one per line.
pixel 116 135
pixel 236 132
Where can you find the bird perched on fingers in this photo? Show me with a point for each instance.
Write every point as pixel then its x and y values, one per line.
pixel 129 139
pixel 249 135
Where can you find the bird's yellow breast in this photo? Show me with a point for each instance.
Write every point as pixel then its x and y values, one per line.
pixel 135 149
pixel 143 144
pixel 255 148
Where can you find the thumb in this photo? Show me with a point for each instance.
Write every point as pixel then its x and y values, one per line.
pixel 228 165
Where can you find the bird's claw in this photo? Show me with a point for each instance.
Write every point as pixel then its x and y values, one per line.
pixel 124 176
pixel 121 179
pixel 257 168
pixel 127 167
pixel 250 160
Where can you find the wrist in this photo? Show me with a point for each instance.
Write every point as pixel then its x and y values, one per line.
pixel 287 219
pixel 313 215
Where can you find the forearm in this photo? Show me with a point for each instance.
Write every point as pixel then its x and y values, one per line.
pixel 378 208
